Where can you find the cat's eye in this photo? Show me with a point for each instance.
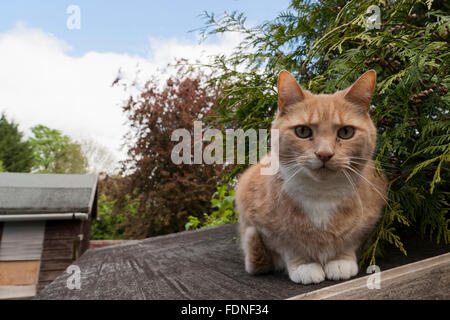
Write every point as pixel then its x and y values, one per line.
pixel 303 132
pixel 346 132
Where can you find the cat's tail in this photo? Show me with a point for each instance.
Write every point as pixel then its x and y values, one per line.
pixel 258 259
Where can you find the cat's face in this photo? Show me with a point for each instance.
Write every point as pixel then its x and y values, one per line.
pixel 323 136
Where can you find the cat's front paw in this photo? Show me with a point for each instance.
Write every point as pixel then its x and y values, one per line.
pixel 341 269
pixel 307 273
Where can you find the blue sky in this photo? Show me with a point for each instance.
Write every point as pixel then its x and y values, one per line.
pixel 125 26
pixel 61 78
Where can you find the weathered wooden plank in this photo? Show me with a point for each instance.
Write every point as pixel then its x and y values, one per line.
pixel 426 279
pixel 59 244
pixel 58 252
pixel 68 229
pixel 17 292
pixel 200 264
pixel 50 254
pixel 56 265
pixel 18 272
pixel 49 275
pixel 169 267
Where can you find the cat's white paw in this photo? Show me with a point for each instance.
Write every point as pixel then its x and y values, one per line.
pixel 341 269
pixel 307 273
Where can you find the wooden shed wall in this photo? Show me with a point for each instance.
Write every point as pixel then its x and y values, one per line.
pixel 62 246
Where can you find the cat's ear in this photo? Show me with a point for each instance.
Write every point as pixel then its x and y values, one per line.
pixel 289 91
pixel 361 91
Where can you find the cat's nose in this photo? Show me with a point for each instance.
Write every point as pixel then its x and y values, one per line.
pixel 324 155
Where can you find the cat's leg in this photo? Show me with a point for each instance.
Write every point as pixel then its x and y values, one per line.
pixel 258 259
pixel 343 267
pixel 278 263
pixel 304 272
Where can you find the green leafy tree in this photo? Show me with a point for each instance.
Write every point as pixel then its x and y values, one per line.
pixel 107 226
pixel 1 166
pixel 16 154
pixel 111 218
pixel 56 153
pixel 327 45
pixel 224 212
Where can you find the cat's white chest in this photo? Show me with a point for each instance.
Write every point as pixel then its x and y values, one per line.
pixel 320 211
pixel 318 200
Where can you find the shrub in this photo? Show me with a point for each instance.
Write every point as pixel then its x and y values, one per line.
pixel 107 226
pixel 326 45
pixel 223 203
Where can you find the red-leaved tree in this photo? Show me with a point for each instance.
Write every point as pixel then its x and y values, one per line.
pixel 165 193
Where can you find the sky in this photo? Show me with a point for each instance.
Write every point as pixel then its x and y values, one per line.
pixel 59 58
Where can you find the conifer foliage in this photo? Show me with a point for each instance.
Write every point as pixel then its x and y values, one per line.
pixel 327 44
pixel 16 154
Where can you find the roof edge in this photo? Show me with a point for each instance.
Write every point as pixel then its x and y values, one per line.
pixel 38 211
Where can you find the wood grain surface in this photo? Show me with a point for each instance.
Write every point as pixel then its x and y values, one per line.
pixel 426 279
pixel 201 264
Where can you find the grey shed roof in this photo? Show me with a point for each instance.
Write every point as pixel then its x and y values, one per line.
pixel 46 193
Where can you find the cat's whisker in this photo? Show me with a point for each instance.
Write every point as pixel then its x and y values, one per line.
pixel 299 168
pixel 343 164
pixel 361 161
pixel 356 171
pixel 290 163
pixel 293 163
pixel 362 164
pixel 295 173
pixel 288 160
pixel 368 159
pixel 293 166
pixel 369 165
pixel 370 184
pixel 293 156
pixel 293 159
pixel 354 188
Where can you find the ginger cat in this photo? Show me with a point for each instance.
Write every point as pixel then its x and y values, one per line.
pixel 311 216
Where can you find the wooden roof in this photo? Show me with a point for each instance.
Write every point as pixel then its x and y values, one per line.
pixel 201 264
pixel 46 193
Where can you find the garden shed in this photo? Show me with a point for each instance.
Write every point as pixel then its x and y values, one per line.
pixel 45 222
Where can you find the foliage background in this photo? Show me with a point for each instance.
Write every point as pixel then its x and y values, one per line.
pixel 55 152
pixel 165 194
pixel 326 45
pixel 16 154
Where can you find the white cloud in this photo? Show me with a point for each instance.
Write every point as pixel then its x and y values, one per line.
pixel 40 83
